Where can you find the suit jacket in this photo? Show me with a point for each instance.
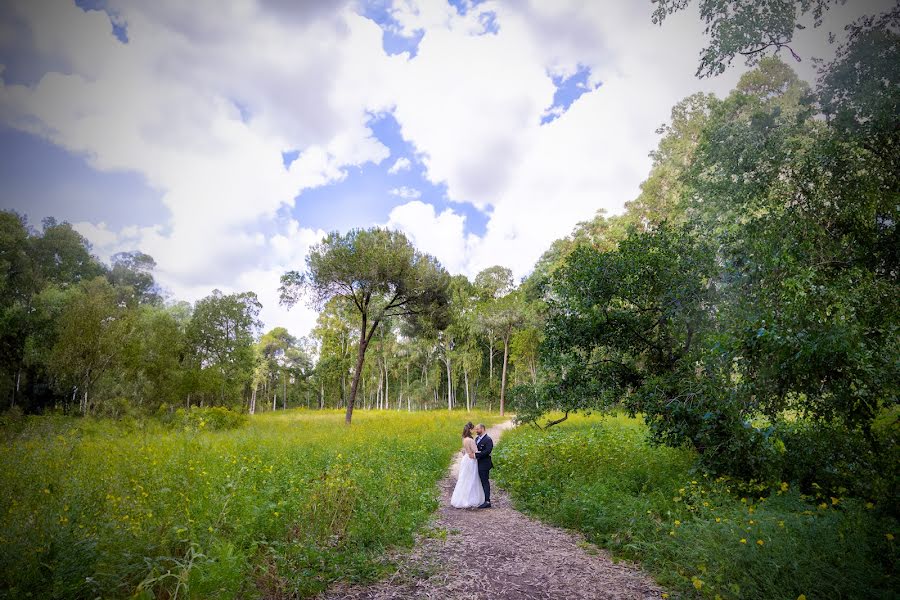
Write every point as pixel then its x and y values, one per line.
pixel 485 446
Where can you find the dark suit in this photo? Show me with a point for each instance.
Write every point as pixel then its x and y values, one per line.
pixel 485 445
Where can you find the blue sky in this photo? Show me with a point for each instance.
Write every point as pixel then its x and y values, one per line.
pixel 224 139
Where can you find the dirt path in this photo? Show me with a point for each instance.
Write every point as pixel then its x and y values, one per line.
pixel 501 554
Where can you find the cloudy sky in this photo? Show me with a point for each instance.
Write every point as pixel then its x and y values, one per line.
pixel 223 138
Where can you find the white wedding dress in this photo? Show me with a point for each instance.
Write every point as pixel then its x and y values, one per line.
pixel 468 492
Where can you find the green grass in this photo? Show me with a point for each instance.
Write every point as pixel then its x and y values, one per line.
pixel 279 507
pixel 697 536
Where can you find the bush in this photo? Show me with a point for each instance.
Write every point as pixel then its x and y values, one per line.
pixel 837 460
pixel 214 418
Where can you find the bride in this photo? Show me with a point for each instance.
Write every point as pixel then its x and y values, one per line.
pixel 468 492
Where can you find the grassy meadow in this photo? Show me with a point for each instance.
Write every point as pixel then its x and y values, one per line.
pixel 699 536
pixel 277 507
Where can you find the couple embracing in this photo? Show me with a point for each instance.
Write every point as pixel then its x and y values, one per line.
pixel 473 488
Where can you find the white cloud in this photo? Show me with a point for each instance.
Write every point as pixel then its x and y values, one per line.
pixel 401 164
pixel 441 235
pixel 201 102
pixel 405 192
pixel 204 99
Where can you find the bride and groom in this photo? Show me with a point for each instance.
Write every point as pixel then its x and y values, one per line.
pixel 473 488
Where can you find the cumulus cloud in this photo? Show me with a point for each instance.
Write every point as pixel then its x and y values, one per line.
pixel 204 98
pixel 201 103
pixel 401 164
pixel 443 235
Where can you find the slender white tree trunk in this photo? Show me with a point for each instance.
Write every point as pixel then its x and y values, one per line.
pixel 466 379
pixel 449 384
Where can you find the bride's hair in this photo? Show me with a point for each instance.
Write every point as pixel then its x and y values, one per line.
pixel 467 429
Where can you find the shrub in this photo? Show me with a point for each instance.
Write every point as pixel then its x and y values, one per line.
pixel 214 418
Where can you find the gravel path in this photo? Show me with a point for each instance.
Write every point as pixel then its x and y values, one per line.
pixel 501 554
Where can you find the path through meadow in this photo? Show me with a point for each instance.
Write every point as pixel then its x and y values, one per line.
pixel 501 554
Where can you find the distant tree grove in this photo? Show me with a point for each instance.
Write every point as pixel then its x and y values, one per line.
pixel 83 337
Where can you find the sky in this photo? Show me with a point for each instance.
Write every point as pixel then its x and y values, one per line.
pixel 224 139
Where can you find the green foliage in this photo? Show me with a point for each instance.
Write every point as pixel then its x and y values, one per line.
pixel 384 277
pixel 221 334
pixel 212 418
pixel 279 507
pixel 626 320
pixel 696 534
pixel 770 297
pixel 748 29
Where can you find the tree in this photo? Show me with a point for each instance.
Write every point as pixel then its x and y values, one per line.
pixel 334 332
pixel 221 335
pixel 620 319
pixel 17 289
pixel 62 255
pixel 494 282
pixel 133 273
pixel 748 29
pixel 92 330
pixel 505 316
pixel 381 273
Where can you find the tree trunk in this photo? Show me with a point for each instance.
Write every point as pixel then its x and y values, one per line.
pixel 360 358
pixel 503 378
pixel 490 360
pixel 466 378
pixel 18 381
pixel 253 399
pixel 449 384
pixel 284 387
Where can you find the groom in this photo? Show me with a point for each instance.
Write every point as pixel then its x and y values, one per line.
pixel 485 445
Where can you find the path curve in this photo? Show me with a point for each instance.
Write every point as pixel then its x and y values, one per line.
pixel 501 554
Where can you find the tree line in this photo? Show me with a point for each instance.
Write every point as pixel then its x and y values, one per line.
pixel 80 336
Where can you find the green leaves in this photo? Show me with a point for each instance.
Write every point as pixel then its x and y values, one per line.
pixel 381 274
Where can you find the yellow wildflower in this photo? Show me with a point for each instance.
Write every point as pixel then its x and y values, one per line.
pixel 834 500
pixel 759 542
pixel 743 540
pixel 698 583
pixel 889 536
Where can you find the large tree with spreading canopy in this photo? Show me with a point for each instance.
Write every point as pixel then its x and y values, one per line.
pixel 381 274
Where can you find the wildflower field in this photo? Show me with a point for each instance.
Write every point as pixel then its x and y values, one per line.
pixel 276 507
pixel 697 535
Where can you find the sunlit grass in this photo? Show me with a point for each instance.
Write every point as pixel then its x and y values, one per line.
pixel 283 505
